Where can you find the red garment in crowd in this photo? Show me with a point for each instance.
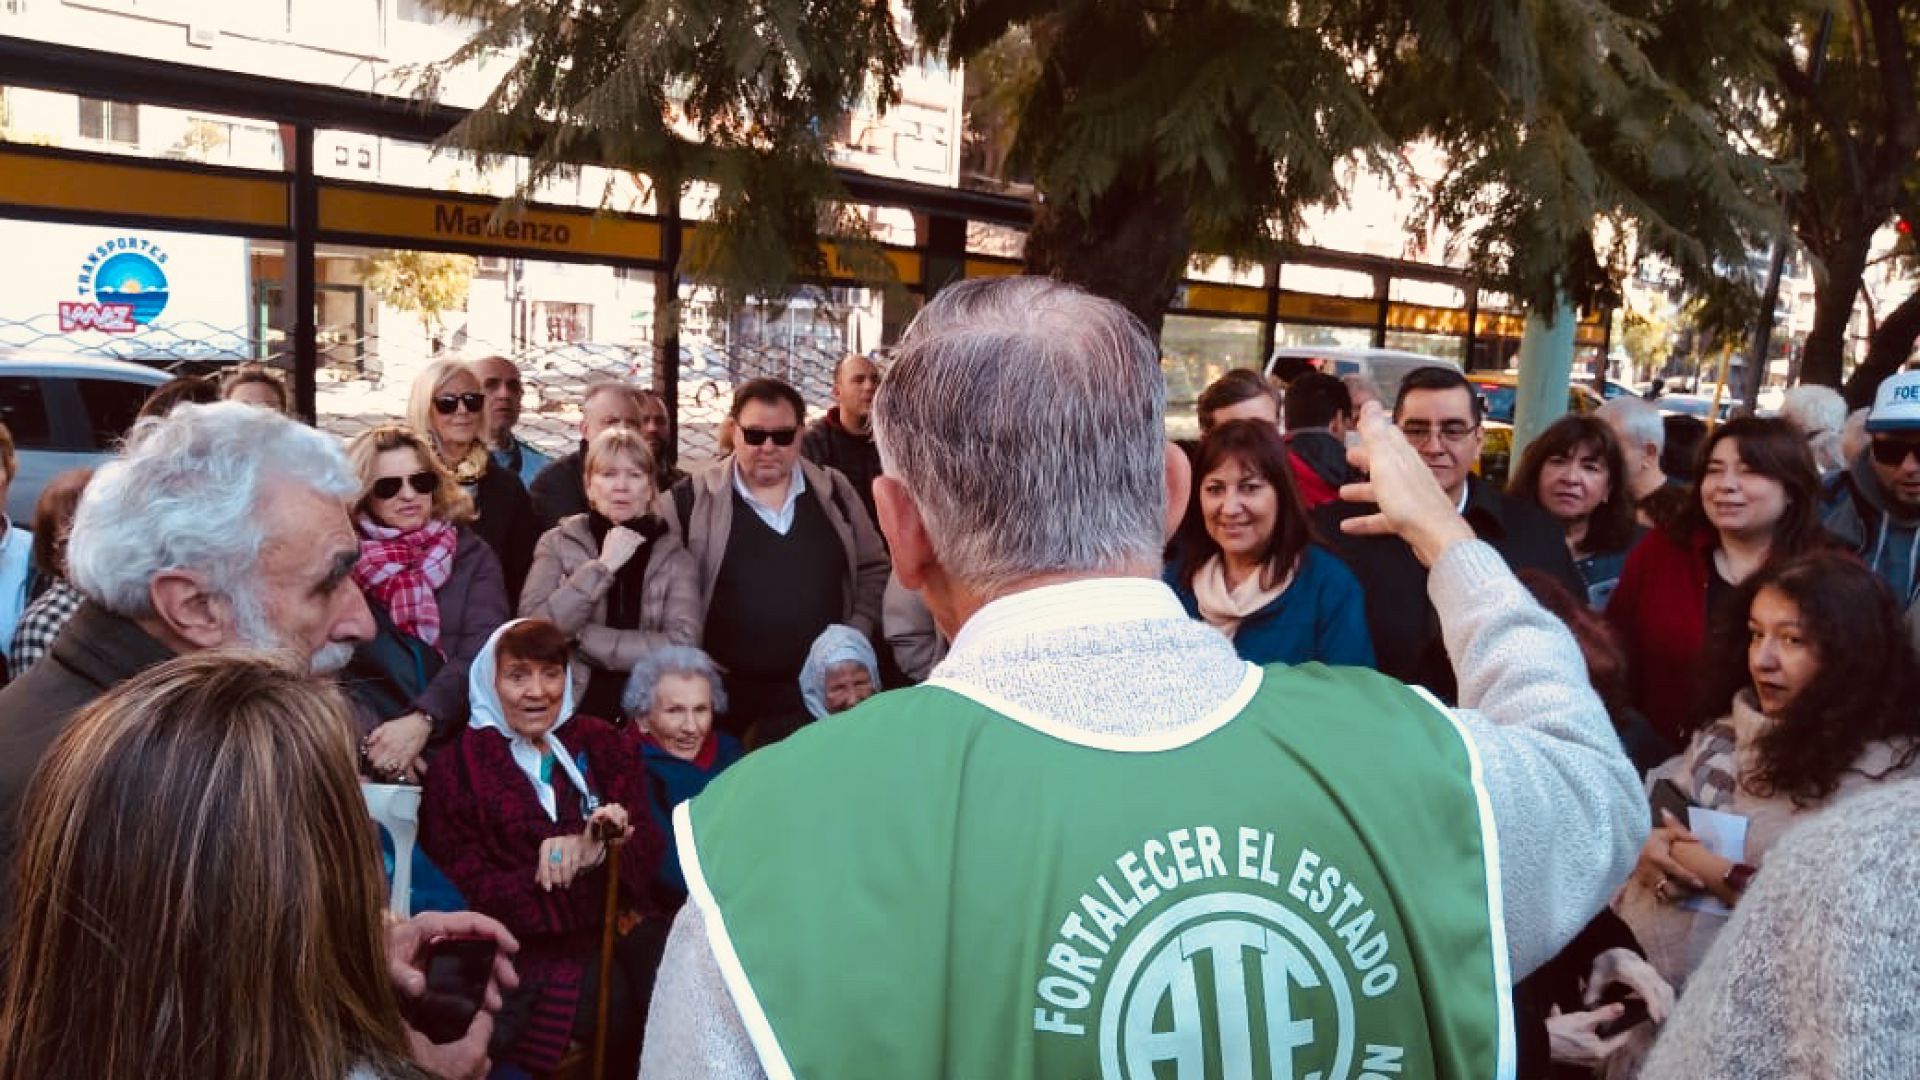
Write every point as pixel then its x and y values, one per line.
pixel 1660 613
pixel 1314 491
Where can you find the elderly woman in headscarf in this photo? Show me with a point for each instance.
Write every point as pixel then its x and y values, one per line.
pixel 519 812
pixel 671 698
pixel 841 671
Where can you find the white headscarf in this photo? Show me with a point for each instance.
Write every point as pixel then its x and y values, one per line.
pixel 837 644
pixel 488 713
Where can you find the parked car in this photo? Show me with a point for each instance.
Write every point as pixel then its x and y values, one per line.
pixel 1386 367
pixel 64 412
pixel 1694 405
pixel 1498 390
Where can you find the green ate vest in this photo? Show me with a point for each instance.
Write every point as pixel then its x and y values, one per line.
pixel 938 885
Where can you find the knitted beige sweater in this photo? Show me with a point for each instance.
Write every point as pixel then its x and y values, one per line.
pixel 1816 976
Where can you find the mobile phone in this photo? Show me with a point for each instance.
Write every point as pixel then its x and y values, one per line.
pixel 1668 796
pixel 1635 1015
pixel 458 969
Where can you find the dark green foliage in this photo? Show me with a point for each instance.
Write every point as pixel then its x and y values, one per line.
pixel 1579 131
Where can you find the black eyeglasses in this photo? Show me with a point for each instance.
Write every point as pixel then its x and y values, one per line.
pixel 754 436
pixel 426 483
pixel 1894 451
pixel 444 404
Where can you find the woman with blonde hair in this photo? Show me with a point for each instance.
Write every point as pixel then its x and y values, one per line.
pixel 436 592
pixel 448 406
pixel 614 579
pixel 198 889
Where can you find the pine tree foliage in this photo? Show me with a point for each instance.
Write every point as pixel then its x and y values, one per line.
pixel 1156 129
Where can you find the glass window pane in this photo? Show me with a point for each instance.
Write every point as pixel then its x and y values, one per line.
pixel 23 408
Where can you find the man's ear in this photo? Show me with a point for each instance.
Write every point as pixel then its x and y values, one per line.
pixel 905 529
pixel 188 610
pixel 1179 473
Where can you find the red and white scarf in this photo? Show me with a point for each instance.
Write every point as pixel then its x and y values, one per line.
pixel 402 569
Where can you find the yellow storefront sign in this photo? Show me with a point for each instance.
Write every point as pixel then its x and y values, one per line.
pixel 188 196
pixel 427 218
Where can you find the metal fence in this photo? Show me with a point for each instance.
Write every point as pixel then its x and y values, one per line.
pixel 361 385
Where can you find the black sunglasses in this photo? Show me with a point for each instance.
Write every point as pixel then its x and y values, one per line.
pixel 444 404
pixel 754 436
pixel 1894 451
pixel 426 483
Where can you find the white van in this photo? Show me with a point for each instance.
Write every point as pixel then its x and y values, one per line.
pixel 1385 367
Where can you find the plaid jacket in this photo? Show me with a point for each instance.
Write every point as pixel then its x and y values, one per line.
pixel 39 625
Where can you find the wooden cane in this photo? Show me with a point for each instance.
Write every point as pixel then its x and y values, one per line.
pixel 607 931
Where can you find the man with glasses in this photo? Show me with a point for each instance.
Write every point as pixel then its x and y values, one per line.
pixel 786 548
pixel 1440 415
pixel 1874 506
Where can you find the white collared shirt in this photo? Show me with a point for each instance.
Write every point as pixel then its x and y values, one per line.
pixel 780 520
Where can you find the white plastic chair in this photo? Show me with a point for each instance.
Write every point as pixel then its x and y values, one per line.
pixel 397 808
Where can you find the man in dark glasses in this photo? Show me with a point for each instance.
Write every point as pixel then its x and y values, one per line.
pixel 1874 506
pixel 786 548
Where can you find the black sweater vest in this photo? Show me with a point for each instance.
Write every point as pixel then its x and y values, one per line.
pixel 775 593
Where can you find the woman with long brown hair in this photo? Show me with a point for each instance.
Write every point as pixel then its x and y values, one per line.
pixel 198 892
pixel 1755 500
pixel 1253 571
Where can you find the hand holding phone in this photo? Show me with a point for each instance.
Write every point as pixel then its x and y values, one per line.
pixel 458 970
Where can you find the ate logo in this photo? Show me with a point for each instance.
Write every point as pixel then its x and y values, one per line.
pixel 1233 971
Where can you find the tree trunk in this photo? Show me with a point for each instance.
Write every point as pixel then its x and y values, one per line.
pixel 1130 246
pixel 1834 293
pixel 1892 344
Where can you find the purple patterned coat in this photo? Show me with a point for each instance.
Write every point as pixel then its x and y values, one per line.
pixel 482 824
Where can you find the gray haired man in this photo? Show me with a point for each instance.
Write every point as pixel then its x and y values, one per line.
pixel 1066 855
pixel 217 526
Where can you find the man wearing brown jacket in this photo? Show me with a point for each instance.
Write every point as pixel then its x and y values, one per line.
pixel 785 549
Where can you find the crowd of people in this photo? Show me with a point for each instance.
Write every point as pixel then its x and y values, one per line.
pixel 1494 776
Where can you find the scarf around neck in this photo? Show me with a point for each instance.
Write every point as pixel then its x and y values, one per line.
pixel 1224 607
pixel 629 582
pixel 469 469
pixel 403 570
pixel 489 715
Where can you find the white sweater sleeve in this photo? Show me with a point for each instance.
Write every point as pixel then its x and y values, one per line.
pixel 694 1031
pixel 1567 805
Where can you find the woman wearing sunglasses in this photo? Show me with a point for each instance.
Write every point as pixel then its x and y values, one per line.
pixel 448 406
pixel 436 592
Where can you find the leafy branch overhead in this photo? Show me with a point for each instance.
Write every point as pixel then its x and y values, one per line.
pixel 1575 130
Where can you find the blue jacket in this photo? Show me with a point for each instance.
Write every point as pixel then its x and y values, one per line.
pixel 1322 616
pixel 671 781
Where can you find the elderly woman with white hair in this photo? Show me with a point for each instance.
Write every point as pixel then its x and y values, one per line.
pixel 842 670
pixel 448 406
pixel 1821 415
pixel 672 697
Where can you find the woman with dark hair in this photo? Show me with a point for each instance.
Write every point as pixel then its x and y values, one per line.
pixel 1254 573
pixel 256 384
pixel 1240 394
pixel 521 821
pixel 1822 686
pixel 435 590
pixel 1575 472
pixel 54 597
pixel 1756 499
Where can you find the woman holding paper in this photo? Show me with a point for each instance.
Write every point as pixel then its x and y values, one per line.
pixel 1822 685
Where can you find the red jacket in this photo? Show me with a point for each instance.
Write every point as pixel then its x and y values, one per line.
pixel 1314 492
pixel 1660 613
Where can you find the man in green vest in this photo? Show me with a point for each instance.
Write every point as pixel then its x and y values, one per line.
pixel 1095 843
